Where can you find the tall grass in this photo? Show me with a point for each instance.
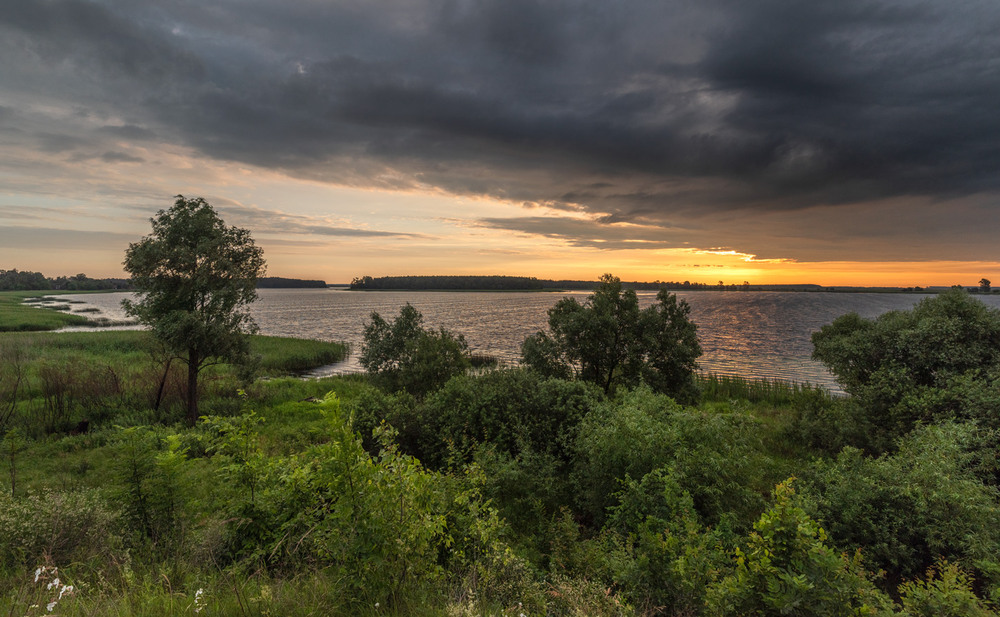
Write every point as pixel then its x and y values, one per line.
pixel 290 355
pixel 58 382
pixel 770 391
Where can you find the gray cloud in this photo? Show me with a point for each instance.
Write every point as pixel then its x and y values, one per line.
pixel 589 234
pixel 120 157
pixel 61 239
pixel 274 221
pixel 652 111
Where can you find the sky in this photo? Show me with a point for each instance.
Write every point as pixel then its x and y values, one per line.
pixel 772 141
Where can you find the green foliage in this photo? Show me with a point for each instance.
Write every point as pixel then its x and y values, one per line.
pixel 376 522
pixel 511 409
pixel 373 406
pixel 610 342
pixel 55 526
pixel 195 276
pixel 657 550
pixel 786 568
pixel 909 509
pixel 946 592
pixel 484 570
pixel 403 355
pixel 151 484
pixel 235 441
pixel 529 490
pixel 900 366
pixel 716 457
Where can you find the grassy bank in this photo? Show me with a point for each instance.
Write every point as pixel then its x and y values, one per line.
pixel 15 316
pixel 52 381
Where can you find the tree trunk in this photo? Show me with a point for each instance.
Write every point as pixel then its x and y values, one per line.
pixel 163 383
pixel 192 393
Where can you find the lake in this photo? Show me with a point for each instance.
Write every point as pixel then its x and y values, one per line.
pixel 748 333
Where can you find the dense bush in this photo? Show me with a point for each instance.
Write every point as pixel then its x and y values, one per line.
pixel 787 568
pixel 946 592
pixel 511 410
pixel 902 366
pixel 656 549
pixel 909 509
pixel 374 406
pixel 715 457
pixel 60 527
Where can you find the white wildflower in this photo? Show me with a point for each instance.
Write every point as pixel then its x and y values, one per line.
pixel 51 605
pixel 38 572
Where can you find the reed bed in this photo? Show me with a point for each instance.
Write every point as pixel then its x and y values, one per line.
pixel 716 387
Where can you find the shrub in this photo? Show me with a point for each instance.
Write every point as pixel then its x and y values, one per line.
pixel 372 407
pixel 57 527
pixel 716 457
pixel 786 568
pixel 912 508
pixel 901 365
pixel 658 553
pixel 373 522
pixel 151 486
pixel 945 592
pixel 511 410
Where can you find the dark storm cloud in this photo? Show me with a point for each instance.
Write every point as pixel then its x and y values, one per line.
pixel 639 111
pixel 589 234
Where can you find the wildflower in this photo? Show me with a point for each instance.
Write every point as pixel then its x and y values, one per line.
pixel 38 572
pixel 199 604
pixel 51 605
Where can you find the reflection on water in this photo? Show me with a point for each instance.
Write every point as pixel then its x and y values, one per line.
pixel 751 334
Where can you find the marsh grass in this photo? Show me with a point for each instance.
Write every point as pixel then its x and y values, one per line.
pixel 15 316
pixel 771 391
pixel 289 355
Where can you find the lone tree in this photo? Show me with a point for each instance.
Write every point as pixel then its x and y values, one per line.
pixel 195 276
pixel 610 341
pixel 984 285
pixel 403 355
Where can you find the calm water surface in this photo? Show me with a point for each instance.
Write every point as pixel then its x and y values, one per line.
pixel 752 334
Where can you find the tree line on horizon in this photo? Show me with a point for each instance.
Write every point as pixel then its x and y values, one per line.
pixel 25 280
pixel 530 283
